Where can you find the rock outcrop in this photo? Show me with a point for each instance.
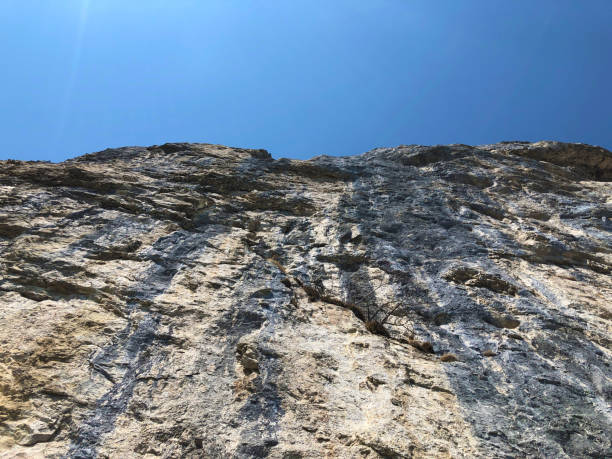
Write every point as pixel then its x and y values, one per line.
pixel 195 300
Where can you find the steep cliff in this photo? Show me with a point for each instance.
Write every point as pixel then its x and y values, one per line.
pixel 195 300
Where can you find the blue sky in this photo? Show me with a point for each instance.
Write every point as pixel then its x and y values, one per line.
pixel 301 78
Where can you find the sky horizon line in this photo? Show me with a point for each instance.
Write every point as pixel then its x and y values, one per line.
pixel 276 156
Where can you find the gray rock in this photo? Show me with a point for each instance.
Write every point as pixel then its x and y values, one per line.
pixel 196 300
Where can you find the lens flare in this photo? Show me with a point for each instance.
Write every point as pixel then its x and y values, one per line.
pixel 74 68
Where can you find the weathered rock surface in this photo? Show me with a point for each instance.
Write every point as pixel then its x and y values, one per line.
pixel 194 300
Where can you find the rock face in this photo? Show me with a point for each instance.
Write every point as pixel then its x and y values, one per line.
pixel 195 300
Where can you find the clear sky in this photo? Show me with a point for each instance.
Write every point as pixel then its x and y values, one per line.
pixel 301 77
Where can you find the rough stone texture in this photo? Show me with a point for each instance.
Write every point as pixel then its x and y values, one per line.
pixel 195 300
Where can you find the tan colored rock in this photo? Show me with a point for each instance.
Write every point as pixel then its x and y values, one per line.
pixel 196 300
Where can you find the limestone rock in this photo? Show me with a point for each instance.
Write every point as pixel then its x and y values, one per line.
pixel 196 300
